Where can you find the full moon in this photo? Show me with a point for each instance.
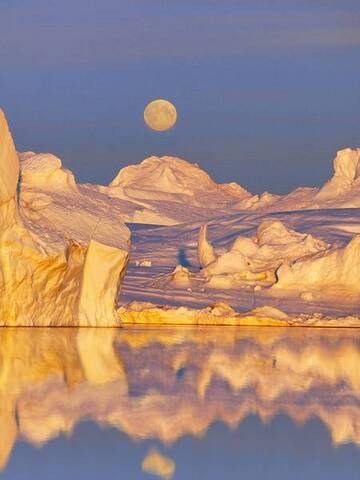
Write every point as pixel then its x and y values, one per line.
pixel 160 115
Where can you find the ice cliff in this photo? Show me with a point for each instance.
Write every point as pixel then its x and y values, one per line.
pixel 59 264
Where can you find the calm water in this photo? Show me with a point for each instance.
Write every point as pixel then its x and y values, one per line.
pixel 180 403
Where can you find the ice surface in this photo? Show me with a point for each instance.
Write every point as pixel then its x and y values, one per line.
pixel 252 237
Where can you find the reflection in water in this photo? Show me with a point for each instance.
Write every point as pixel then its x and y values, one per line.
pixel 158 464
pixel 167 383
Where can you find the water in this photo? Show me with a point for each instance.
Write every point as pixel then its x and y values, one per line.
pixel 180 403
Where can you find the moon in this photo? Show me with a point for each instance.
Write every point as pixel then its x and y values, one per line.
pixel 160 115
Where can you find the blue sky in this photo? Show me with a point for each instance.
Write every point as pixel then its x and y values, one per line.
pixel 266 92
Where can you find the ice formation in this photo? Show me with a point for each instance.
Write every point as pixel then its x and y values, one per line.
pixel 222 314
pixel 53 381
pixel 46 278
pixel 338 269
pixel 64 245
pixel 206 253
pixel 168 190
pixel 344 184
pixel 253 253
pixel 158 464
pixel 257 258
pixel 341 191
pixel 181 276
pixel 49 192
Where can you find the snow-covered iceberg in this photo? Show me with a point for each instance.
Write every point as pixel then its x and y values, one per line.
pixel 257 258
pixel 337 272
pixel 170 191
pixel 59 265
pixel 304 263
pixel 64 245
pixel 341 191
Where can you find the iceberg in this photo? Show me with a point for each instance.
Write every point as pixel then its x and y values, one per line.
pixel 337 271
pixel 256 258
pixel 65 270
pixel 64 245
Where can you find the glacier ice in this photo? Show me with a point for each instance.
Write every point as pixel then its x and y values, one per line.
pixel 50 274
pixel 64 245
pixel 257 258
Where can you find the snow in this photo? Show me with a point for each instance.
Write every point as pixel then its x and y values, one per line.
pixel 206 254
pixel 341 191
pixel 46 171
pixel 346 172
pixel 168 190
pixel 61 263
pixel 221 314
pixel 272 245
pixel 51 198
pixel 195 242
pixel 250 237
pixel 339 269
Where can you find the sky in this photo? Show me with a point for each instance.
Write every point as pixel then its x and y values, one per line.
pixel 266 91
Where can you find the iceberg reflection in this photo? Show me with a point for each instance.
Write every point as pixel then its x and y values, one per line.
pixel 166 383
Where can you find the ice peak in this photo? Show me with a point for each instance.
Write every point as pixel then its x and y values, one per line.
pixel 9 163
pixel 167 174
pixel 45 169
pixel 346 172
pixel 346 164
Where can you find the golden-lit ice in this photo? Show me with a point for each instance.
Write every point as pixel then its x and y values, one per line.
pixel 52 379
pixel 46 281
pixel 158 464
